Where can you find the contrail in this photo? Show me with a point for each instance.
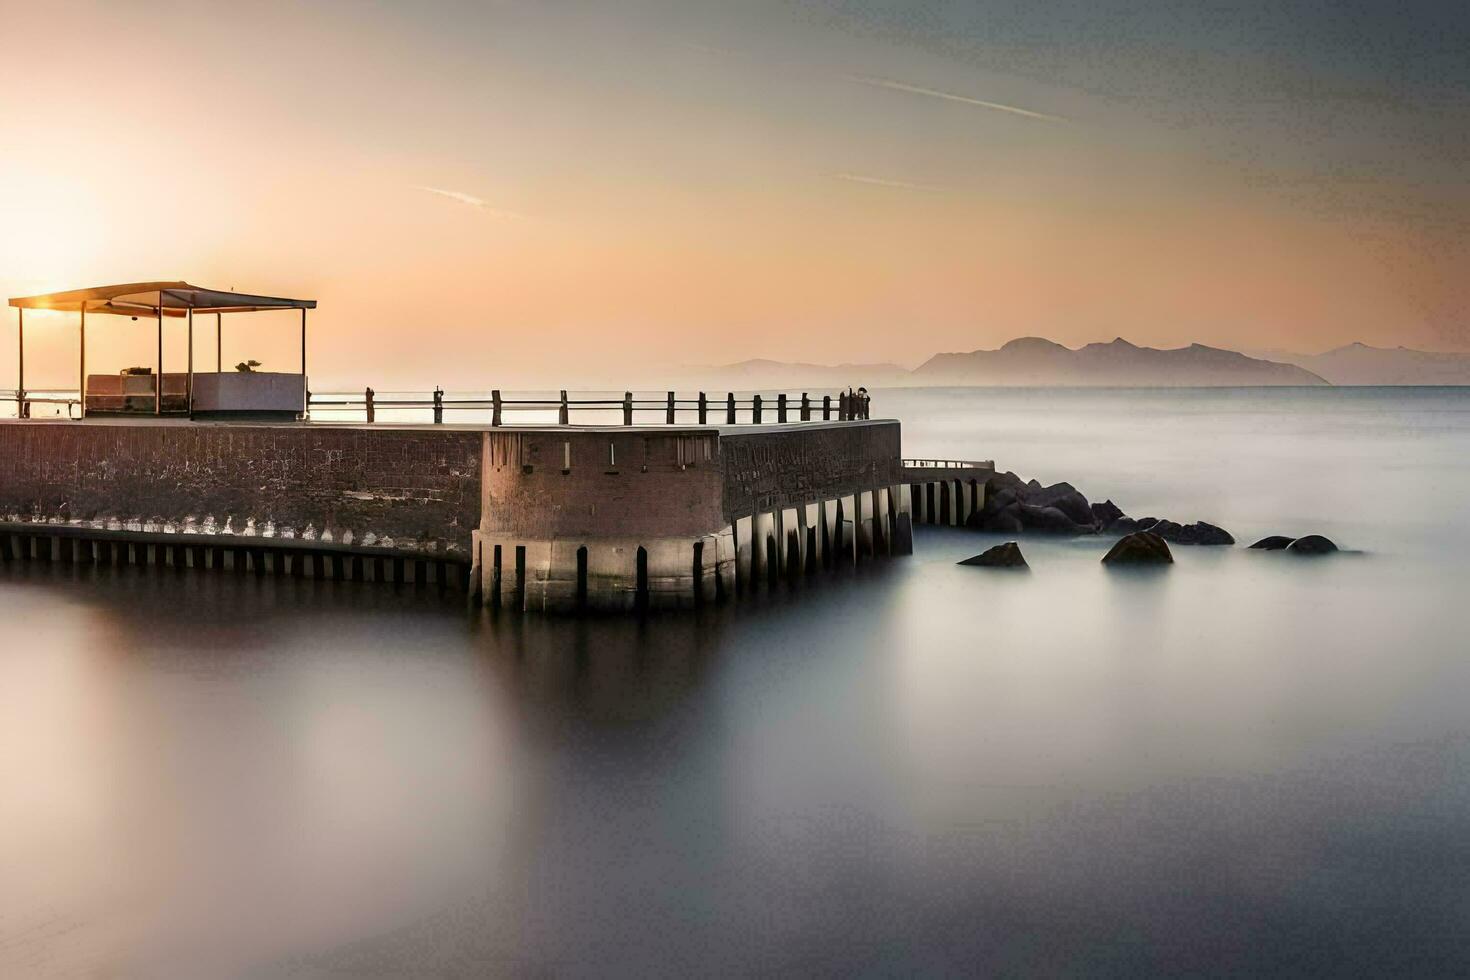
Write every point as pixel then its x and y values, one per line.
pixel 463 198
pixel 933 93
pixel 886 182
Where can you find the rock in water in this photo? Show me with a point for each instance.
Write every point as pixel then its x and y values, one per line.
pixel 1164 528
pixel 1139 548
pixel 1065 498
pixel 1006 555
pixel 1197 533
pixel 1274 542
pixel 1312 544
pixel 1106 513
pixel 1003 481
pixel 1006 522
pixel 1201 533
pixel 1040 518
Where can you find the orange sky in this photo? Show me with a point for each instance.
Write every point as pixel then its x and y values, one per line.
pixel 685 183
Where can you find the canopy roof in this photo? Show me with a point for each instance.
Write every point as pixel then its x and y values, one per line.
pixel 152 298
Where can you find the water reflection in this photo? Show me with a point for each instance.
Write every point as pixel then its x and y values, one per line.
pixel 1246 763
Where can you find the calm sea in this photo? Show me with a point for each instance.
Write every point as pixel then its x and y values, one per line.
pixel 1245 763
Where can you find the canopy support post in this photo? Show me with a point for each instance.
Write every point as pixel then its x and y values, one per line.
pixel 219 357
pixel 158 372
pixel 20 384
pixel 82 362
pixel 189 383
pixel 305 391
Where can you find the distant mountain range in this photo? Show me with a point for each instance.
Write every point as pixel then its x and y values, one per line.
pixel 1359 364
pixel 1034 361
pixel 1040 362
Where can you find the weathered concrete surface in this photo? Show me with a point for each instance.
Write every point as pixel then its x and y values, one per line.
pixel 771 467
pixel 553 518
pixel 712 510
pixel 411 489
pixel 602 482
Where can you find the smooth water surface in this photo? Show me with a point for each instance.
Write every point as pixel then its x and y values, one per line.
pixel 1246 762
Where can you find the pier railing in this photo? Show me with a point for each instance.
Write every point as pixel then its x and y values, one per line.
pixel 949 464
pixel 561 408
pixel 546 408
pixel 65 400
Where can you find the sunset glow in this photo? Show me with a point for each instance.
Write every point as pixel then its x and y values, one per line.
pixel 582 190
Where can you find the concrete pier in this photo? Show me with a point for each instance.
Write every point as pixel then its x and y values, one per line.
pixel 556 519
pixel 946 492
pixel 241 556
pixel 613 519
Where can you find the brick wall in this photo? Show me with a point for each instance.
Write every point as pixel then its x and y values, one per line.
pixel 765 469
pixel 415 489
pixel 661 484
pixel 427 488
pixel 601 483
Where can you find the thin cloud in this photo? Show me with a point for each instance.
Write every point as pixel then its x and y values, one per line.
pixel 934 93
pixel 886 182
pixel 468 199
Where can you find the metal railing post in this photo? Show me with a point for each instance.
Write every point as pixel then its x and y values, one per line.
pixel 806 407
pixel 82 368
pixel 627 408
pixel 495 407
pixel 20 390
pixel 564 415
pixel 438 405
pixel 730 408
pixel 755 409
pixel 669 415
pixel 826 408
pixel 781 408
pixel 372 410
pixel 703 409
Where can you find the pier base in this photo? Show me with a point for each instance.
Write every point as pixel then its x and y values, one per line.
pixel 605 574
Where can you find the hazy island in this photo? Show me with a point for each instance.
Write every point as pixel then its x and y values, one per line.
pixel 1038 362
pixel 1360 364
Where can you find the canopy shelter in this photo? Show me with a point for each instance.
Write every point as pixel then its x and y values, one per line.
pixel 154 300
